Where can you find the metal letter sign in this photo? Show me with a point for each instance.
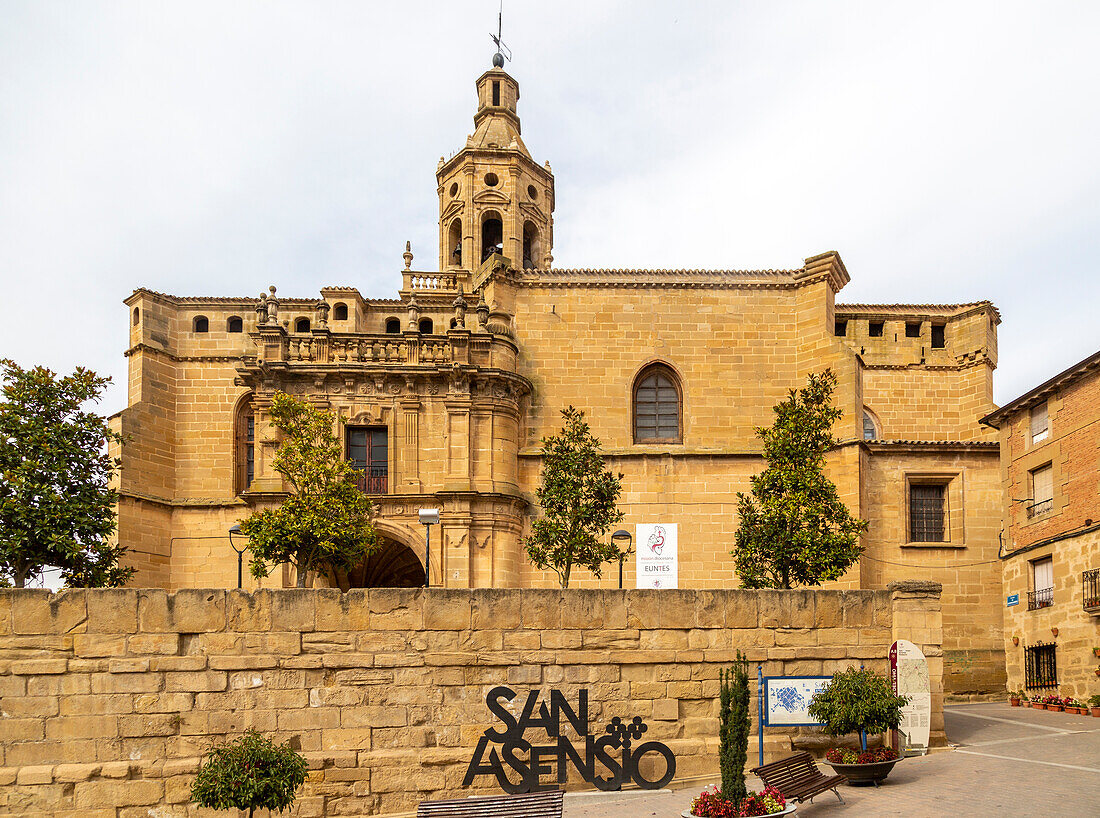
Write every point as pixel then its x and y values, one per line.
pixel 656 564
pixel 530 762
pixel 786 699
pixel 1013 599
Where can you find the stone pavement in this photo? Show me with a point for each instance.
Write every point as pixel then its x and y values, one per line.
pixel 1004 761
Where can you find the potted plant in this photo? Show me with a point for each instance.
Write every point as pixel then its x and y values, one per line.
pixel 1078 706
pixel 859 701
pixel 250 773
pixel 733 750
pixel 1053 702
pixel 1094 705
pixel 1014 697
pixel 1036 701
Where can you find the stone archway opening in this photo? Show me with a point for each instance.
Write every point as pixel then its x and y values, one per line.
pixel 393 565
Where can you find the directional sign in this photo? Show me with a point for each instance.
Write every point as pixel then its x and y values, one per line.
pixel 1013 599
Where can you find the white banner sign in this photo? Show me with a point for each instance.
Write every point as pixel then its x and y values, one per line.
pixel 656 565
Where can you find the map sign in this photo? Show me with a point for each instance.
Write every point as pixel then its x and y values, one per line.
pixel 656 567
pixel 909 676
pixel 786 699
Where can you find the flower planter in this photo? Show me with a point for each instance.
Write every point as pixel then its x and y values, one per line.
pixel 787 810
pixel 1014 702
pixel 860 774
pixel 1057 708
pixel 1095 711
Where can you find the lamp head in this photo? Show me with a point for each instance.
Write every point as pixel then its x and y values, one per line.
pixel 429 516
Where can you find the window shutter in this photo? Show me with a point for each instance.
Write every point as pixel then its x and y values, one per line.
pixel 1039 424
pixel 1043 484
pixel 1044 574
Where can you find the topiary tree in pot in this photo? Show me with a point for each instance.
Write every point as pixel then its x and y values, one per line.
pixel 250 773
pixel 859 701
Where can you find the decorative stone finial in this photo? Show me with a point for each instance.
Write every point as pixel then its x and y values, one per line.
pixel 407 255
pixel 414 314
pixel 482 309
pixel 272 306
pixel 261 310
pixel 322 314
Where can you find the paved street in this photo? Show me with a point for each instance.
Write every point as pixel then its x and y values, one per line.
pixel 1005 761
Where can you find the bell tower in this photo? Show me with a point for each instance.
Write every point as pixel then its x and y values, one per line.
pixel 493 197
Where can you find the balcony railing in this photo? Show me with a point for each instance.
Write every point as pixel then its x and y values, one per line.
pixel 1040 507
pixel 373 480
pixel 1042 598
pixel 1090 586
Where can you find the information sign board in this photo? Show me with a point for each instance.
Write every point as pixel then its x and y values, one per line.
pixel 909 677
pixel 787 698
pixel 657 564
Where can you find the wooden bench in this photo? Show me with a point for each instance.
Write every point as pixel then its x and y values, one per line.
pixel 798 778
pixel 526 805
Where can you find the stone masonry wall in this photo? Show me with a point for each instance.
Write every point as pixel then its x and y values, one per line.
pixel 109 697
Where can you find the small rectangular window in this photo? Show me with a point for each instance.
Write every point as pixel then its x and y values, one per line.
pixel 926 512
pixel 912 329
pixel 874 328
pixel 1042 491
pixel 1040 666
pixel 939 340
pixel 496 93
pixel 1041 594
pixel 840 329
pixel 1040 423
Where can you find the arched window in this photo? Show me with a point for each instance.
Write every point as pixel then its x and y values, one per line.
pixel 492 234
pixel 870 427
pixel 426 326
pixel 657 406
pixel 234 324
pixel 301 325
pixel 393 326
pixel 137 316
pixel 531 250
pixel 340 312
pixel 245 455
pixel 454 242
pixel 201 324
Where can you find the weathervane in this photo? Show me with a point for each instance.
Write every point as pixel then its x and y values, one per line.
pixel 503 52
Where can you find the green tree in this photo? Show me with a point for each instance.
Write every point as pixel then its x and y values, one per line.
pixel 578 499
pixel 857 700
pixel 250 773
pixel 56 502
pixel 794 528
pixel 733 729
pixel 326 522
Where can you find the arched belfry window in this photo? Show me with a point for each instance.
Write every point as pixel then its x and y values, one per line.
pixel 492 234
pixel 658 403
pixel 454 242
pixel 531 250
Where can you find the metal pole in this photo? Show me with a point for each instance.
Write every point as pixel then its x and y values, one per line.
pixel 240 563
pixel 427 553
pixel 760 708
pixel 620 572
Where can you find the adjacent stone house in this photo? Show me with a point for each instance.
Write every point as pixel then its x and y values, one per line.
pixel 1050 472
pixel 448 388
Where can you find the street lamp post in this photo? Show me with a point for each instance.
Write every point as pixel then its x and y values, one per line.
pixel 236 529
pixel 621 539
pixel 429 517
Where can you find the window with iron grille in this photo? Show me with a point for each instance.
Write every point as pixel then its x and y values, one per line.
pixel 368 452
pixel 1042 584
pixel 1040 666
pixel 1090 587
pixel 927 512
pixel 657 407
pixel 1042 491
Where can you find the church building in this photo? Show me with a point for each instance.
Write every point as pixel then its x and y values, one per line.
pixel 448 388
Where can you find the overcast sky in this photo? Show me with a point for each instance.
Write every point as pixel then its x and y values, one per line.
pixel 949 151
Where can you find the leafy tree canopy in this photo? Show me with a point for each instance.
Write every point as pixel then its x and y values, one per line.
pixel 578 498
pixel 793 528
pixel 249 773
pixel 857 700
pixel 326 522
pixel 56 501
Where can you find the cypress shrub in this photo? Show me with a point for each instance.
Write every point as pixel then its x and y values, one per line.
pixel 733 730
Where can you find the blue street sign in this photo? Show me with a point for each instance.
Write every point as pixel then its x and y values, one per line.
pixel 1013 599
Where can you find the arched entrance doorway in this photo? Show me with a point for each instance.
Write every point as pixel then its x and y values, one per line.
pixel 393 565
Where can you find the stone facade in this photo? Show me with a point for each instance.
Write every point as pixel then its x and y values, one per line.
pixel 110 697
pixel 466 370
pixel 1052 549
